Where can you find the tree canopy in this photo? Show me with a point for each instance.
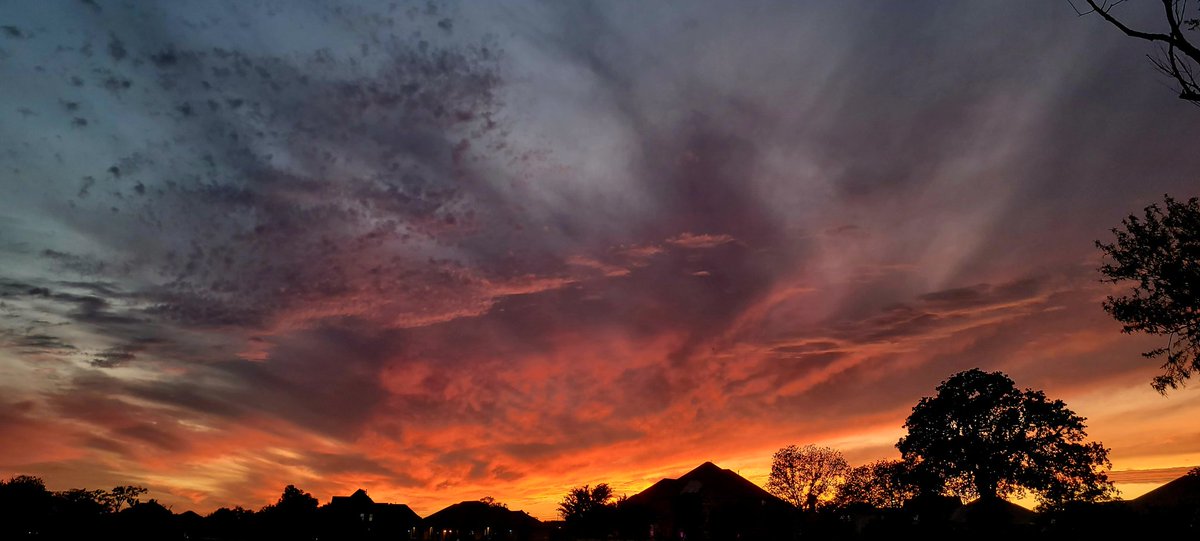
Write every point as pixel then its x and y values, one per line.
pixel 123 496
pixel 293 501
pixel 1159 254
pixel 806 476
pixel 880 484
pixel 491 502
pixel 588 510
pixel 980 436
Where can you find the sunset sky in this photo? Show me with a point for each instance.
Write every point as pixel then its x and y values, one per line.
pixel 442 251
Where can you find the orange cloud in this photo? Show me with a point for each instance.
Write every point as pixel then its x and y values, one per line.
pixel 699 241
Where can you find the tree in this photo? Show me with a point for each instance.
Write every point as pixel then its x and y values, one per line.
pixel 294 501
pixel 25 487
pixel 1178 57
pixel 588 511
pixel 81 501
pixel 1160 254
pixel 880 484
pixel 25 507
pixel 981 436
pixel 122 496
pixel 491 502
pixel 291 517
pixel 806 476
pixel 585 500
pixel 227 523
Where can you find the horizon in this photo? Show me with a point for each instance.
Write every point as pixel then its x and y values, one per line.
pixel 1145 481
pixel 443 251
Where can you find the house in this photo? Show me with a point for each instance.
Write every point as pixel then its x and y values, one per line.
pixel 707 503
pixel 993 514
pixel 478 520
pixel 1173 507
pixel 358 517
pixel 1181 494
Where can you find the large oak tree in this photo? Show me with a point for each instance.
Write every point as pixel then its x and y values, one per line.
pixel 981 436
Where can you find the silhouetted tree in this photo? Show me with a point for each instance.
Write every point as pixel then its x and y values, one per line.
pixel 81 501
pixel 805 476
pixel 1160 255
pixel 981 436
pixel 23 488
pixel 881 484
pixel 292 517
pixel 25 507
pixel 121 497
pixel 295 501
pixel 493 503
pixel 146 520
pixel 28 510
pixel 227 523
pixel 588 511
pixel 1178 56
pixel 79 513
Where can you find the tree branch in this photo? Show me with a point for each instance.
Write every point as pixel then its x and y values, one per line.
pixel 1148 36
pixel 1173 65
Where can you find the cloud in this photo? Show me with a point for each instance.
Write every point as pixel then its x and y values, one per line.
pixel 440 251
pixel 113 358
pixel 1156 475
pixel 39 343
pixel 693 241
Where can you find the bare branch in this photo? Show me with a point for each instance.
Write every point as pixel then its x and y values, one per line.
pixel 1149 36
pixel 1177 47
pixel 1177 38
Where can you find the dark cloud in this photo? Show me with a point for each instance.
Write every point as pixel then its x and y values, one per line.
pixel 352 463
pixel 94 310
pixel 946 309
pixel 10 288
pixel 113 358
pixel 40 343
pixel 193 396
pixel 325 380
pixel 12 31
pixel 961 298
pixel 152 435
pixel 105 444
pixel 84 265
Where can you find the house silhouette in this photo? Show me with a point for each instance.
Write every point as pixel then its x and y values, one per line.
pixel 358 517
pixel 477 520
pixel 708 503
pixel 1173 507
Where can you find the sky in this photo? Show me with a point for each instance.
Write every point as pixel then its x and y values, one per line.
pixel 443 251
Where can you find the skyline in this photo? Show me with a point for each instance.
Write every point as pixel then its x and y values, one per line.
pixel 446 251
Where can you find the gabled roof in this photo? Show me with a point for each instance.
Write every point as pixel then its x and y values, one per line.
pixel 476 514
pixel 358 498
pixel 396 511
pixel 361 502
pixel 1183 492
pixel 710 483
pixel 992 511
